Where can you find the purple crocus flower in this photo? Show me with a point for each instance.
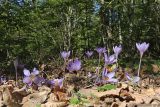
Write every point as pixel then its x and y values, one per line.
pixel 65 55
pixel 74 65
pixel 109 76
pixel 39 81
pixel 134 79
pixel 89 75
pixel 30 77
pixel 89 53
pixel 142 47
pixel 117 50
pixel 56 82
pixel 3 79
pixel 101 50
pixel 109 59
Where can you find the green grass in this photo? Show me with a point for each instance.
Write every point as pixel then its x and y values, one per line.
pixel 74 101
pixel 78 99
pixel 38 105
pixel 106 87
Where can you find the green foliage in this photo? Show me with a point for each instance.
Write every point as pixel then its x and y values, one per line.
pixel 38 105
pixel 40 31
pixel 74 101
pixel 106 87
pixel 78 99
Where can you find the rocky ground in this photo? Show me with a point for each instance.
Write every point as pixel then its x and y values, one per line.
pixel 123 95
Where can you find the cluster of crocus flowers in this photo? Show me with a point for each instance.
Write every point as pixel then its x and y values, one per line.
pixel 32 77
pixel 74 65
pixel 142 48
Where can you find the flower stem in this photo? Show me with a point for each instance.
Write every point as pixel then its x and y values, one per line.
pixel 16 78
pixel 99 63
pixel 116 62
pixel 139 65
pixel 64 65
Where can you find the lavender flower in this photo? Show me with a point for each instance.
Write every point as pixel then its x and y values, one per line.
pixel 109 76
pixel 89 75
pixel 117 50
pixel 89 53
pixel 109 59
pixel 65 55
pixel 142 47
pixel 56 82
pixel 74 65
pixel 134 79
pixel 39 81
pixel 3 79
pixel 30 77
pixel 101 50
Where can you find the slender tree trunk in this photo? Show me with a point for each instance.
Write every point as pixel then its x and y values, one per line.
pixel 105 24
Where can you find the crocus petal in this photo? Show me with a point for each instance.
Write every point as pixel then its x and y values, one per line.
pixel 3 79
pixel 104 72
pixel 142 47
pixel 128 77
pixel 27 80
pixel 74 65
pixel 112 59
pixel 117 50
pixel 65 54
pixel 112 80
pixel 26 72
pixel 109 59
pixel 51 82
pixel 89 75
pixel 111 75
pixel 89 53
pixel 35 72
pixel 136 79
pixel 101 50
pixel 60 82
pixel 77 65
pixel 39 80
